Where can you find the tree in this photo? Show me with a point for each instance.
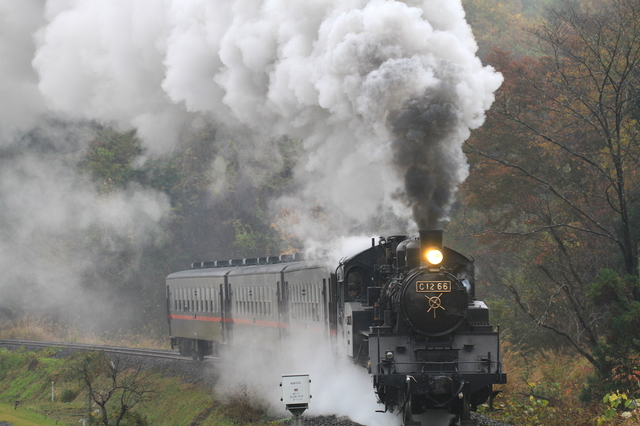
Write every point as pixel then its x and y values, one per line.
pixel 115 384
pixel 618 354
pixel 560 170
pixel 110 158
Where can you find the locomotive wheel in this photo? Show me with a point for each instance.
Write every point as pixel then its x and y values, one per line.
pixel 466 407
pixel 465 416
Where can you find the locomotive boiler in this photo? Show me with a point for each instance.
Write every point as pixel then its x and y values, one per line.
pixel 405 309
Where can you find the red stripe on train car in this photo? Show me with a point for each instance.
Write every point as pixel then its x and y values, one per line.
pixel 195 318
pixel 261 323
pixel 244 321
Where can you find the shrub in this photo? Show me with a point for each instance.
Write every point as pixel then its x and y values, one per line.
pixel 69 395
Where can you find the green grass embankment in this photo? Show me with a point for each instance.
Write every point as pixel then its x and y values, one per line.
pixel 20 417
pixel 27 376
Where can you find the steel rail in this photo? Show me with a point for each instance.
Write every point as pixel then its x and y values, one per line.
pixel 154 353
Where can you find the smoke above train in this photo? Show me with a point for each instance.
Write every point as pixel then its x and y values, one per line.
pixel 381 93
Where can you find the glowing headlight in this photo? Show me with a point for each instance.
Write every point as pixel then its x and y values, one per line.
pixel 434 256
pixel 389 355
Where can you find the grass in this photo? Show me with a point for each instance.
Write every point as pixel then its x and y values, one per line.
pixel 20 417
pixel 544 389
pixel 41 329
pixel 26 377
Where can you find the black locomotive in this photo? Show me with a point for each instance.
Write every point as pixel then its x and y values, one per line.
pixel 405 309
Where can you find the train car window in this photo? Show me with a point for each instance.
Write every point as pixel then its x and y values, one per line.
pixel 300 302
pixel 306 300
pixel 355 284
pixel 269 300
pixel 212 296
pixel 173 305
pixel 194 300
pixel 304 296
pixel 246 301
pixel 294 301
pixel 214 300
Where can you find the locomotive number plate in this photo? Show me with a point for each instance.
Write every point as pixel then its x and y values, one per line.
pixel 433 286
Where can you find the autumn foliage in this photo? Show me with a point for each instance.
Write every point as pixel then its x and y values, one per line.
pixel 553 197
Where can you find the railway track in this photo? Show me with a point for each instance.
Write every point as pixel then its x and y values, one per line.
pixel 121 350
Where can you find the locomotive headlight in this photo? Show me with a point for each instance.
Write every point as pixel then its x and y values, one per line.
pixel 434 256
pixel 388 355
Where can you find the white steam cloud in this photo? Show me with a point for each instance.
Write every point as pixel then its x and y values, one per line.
pixel 338 387
pixel 382 93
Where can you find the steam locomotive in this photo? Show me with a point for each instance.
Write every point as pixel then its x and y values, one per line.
pixel 405 309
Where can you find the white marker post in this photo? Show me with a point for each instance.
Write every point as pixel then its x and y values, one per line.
pixel 296 395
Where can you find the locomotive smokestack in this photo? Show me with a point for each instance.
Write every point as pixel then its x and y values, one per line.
pixel 431 238
pixel 431 249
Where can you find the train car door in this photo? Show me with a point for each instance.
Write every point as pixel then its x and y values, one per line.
pixel 282 292
pixel 227 312
pixel 331 302
pixel 169 302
